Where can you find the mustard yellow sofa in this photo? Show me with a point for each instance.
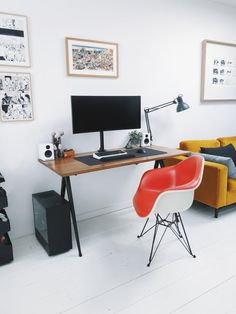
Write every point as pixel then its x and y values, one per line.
pixel 216 189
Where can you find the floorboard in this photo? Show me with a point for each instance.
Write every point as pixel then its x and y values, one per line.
pixel 112 276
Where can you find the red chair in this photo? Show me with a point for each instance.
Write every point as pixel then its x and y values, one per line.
pixel 165 192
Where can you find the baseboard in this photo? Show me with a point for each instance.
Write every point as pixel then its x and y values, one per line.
pixel 91 214
pixel 103 211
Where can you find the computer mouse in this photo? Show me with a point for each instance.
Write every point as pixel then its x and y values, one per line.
pixel 141 151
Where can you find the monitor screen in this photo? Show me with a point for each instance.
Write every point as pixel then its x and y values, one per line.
pixel 105 113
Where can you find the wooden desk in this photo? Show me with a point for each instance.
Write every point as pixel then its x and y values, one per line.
pixel 66 167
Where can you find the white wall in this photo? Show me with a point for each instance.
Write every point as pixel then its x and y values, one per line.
pixel 159 57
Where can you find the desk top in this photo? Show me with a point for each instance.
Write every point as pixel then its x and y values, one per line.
pixel 65 167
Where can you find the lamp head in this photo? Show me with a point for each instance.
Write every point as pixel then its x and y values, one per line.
pixel 181 105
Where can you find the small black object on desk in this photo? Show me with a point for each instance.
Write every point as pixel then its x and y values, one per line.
pixel 141 151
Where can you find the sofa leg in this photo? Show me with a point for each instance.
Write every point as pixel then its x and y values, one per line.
pixel 216 212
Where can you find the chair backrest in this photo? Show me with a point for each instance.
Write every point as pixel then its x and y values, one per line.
pixel 188 176
pixel 189 172
pixel 170 189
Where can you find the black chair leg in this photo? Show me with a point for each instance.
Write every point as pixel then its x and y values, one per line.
pixel 158 222
pixel 177 225
pixel 142 232
pixel 186 238
pixel 216 212
pixel 153 242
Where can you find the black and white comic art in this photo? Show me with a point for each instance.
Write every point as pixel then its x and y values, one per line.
pixel 15 97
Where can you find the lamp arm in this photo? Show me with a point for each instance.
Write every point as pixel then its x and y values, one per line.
pixel 151 109
pixel 148 110
pixel 148 124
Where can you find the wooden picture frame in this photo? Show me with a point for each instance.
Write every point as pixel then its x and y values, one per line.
pixel 15 97
pixel 91 58
pixel 218 79
pixel 14 44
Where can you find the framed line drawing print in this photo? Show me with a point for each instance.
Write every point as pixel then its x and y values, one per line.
pixel 218 71
pixel 14 46
pixel 15 96
pixel 91 58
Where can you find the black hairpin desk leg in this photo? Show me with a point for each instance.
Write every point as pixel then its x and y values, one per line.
pixel 63 187
pixel 159 163
pixel 66 186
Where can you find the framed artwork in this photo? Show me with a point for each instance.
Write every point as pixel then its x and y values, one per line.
pixel 15 96
pixel 218 71
pixel 14 46
pixel 91 58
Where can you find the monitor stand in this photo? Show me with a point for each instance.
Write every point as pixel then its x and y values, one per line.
pixel 101 149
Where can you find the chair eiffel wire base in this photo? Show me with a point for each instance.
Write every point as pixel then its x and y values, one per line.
pixel 175 224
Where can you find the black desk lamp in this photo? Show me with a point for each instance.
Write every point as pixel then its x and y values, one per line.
pixel 181 106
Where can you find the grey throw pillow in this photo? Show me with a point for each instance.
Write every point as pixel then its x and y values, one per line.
pixel 227 161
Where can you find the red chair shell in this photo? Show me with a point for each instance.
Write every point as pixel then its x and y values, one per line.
pixel 184 176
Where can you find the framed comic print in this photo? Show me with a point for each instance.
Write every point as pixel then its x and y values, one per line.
pixel 218 71
pixel 14 46
pixel 91 58
pixel 15 96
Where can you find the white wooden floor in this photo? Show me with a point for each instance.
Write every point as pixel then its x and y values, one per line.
pixel 112 276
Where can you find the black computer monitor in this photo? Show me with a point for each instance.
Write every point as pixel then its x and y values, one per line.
pixel 105 113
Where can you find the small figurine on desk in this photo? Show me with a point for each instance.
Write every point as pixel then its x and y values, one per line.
pixel 56 140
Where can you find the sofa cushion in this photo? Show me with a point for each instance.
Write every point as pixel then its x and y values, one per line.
pixel 227 161
pixel 225 151
pixel 195 145
pixel 227 140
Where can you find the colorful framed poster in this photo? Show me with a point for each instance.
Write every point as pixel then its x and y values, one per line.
pixel 91 58
pixel 218 71
pixel 15 96
pixel 14 46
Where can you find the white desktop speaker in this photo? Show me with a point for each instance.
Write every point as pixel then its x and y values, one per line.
pixel 46 151
pixel 146 139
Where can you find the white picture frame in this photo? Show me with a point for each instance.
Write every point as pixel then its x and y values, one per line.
pixel 14 44
pixel 218 81
pixel 91 58
pixel 15 97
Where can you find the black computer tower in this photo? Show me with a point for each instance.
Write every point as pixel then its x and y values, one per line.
pixel 52 222
pixel 3 198
pixel 6 251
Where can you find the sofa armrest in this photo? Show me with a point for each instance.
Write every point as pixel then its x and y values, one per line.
pixel 213 188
